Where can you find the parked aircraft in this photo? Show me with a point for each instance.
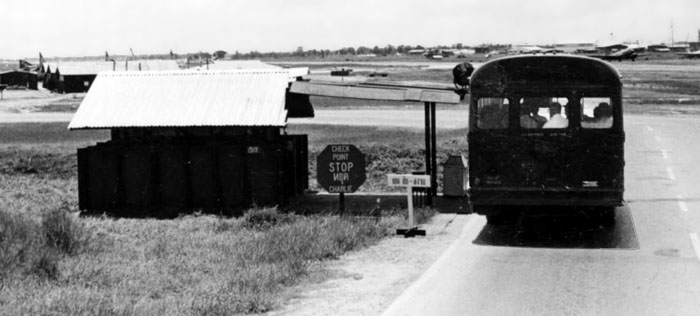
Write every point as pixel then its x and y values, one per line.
pixel 620 55
pixel 531 49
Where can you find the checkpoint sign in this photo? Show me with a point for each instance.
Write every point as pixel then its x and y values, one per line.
pixel 340 168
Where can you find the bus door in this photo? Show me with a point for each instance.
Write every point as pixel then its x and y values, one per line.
pixel 601 145
pixel 544 142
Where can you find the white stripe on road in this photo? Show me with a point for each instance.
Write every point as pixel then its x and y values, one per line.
pixel 681 204
pixel 664 153
pixel 650 129
pixel 410 293
pixel 696 244
pixel 671 174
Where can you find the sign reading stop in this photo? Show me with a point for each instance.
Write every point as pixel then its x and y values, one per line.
pixel 340 168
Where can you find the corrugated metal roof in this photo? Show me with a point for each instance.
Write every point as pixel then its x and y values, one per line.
pixel 69 68
pixel 184 98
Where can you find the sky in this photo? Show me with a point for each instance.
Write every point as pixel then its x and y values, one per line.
pixel 73 28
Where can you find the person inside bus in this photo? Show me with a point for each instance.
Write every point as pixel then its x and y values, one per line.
pixel 556 120
pixel 602 117
pixel 529 118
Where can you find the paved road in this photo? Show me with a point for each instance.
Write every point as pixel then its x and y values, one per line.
pixel 648 264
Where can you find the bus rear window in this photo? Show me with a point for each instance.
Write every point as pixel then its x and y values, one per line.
pixel 492 113
pixel 544 112
pixel 596 113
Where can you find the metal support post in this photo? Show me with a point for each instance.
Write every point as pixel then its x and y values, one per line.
pixel 428 142
pixel 433 153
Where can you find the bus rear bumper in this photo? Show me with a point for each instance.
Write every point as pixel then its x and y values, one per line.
pixel 545 197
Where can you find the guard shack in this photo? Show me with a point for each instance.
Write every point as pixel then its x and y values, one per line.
pixel 187 141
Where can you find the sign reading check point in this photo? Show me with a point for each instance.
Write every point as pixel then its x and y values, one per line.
pixel 340 168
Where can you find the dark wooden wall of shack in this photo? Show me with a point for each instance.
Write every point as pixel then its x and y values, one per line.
pixel 176 176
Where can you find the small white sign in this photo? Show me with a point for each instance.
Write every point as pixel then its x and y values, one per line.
pixel 409 180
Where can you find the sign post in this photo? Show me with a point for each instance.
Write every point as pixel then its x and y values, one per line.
pixel 341 169
pixel 409 181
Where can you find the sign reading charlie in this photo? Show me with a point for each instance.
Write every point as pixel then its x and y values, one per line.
pixel 340 168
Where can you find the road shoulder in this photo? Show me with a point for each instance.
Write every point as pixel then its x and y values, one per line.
pixel 366 282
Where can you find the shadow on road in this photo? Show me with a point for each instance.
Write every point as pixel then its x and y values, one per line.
pixel 570 231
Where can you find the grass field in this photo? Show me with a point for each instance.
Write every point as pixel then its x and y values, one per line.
pixel 55 263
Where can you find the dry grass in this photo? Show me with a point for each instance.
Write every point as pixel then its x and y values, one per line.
pixel 55 263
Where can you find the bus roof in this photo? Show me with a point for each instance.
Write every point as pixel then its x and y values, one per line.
pixel 543 71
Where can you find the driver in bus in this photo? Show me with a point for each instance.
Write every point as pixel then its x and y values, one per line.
pixel 556 120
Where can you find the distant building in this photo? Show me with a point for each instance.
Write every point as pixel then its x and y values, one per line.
pixel 680 47
pixel 690 46
pixel 572 48
pixel 19 79
pixel 415 52
pixel 464 52
pixel 72 77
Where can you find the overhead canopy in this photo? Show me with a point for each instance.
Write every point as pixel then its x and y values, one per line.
pixel 184 99
pixel 371 91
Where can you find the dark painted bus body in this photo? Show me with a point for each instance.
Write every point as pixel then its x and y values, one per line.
pixel 523 155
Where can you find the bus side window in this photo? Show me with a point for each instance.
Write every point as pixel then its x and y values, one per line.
pixel 596 113
pixel 492 113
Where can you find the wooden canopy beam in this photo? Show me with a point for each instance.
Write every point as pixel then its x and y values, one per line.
pixel 376 92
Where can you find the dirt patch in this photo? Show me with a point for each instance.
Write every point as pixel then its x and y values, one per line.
pixel 27 101
pixel 366 282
